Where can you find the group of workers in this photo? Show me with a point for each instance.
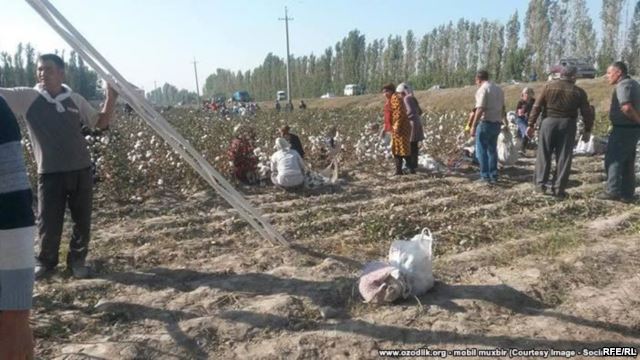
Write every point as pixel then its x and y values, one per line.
pixel 54 115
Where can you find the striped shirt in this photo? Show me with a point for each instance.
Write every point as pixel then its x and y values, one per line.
pixel 16 218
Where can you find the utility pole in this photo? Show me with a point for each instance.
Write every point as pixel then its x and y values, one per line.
pixel 195 70
pixel 286 25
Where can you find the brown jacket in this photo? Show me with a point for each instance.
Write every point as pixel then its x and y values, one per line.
pixel 562 99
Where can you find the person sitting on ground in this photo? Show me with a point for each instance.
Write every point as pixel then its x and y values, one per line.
pixel 302 105
pixel 17 232
pixel 241 155
pixel 523 110
pixel 293 140
pixel 287 167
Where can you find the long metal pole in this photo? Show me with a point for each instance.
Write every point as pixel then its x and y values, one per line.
pixel 286 25
pixel 195 70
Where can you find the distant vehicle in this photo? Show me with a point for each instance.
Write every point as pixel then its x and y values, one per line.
pixel 328 96
pixel 585 69
pixel 437 87
pixel 281 95
pixel 352 90
pixel 241 96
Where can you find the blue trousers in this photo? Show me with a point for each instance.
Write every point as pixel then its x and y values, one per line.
pixel 487 149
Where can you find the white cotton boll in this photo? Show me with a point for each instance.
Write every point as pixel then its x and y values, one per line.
pixel 217 158
pixel 148 154
pixel 140 134
pixel 160 182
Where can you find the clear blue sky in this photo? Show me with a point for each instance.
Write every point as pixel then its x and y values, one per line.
pixel 156 40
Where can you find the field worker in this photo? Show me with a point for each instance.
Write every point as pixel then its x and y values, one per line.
pixel 396 114
pixel 287 166
pixel 413 114
pixel 625 120
pixel 293 140
pixel 241 155
pixel 17 232
pixel 486 124
pixel 560 100
pixel 523 110
pixel 54 116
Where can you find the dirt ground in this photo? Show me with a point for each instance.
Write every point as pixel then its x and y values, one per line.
pixel 180 276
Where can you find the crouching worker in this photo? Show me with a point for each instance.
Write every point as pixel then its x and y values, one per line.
pixel 287 167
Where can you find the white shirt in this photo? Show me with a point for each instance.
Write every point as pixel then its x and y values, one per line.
pixel 287 168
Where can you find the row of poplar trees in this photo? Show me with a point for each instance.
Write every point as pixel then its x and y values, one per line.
pixel 19 69
pixel 450 54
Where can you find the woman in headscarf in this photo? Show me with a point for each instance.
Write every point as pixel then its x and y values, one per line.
pixel 396 113
pixel 241 155
pixel 287 167
pixel 413 114
pixel 523 109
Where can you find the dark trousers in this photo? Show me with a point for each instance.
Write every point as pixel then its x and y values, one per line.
pixel 556 138
pixel 56 191
pixel 398 160
pixel 619 162
pixel 412 164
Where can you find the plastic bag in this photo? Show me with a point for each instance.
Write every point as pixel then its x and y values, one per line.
pixel 414 259
pixel 382 283
pixel 426 162
pixel 507 149
pixel 594 146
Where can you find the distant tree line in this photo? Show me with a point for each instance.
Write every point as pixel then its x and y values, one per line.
pixel 19 69
pixel 450 54
pixel 169 95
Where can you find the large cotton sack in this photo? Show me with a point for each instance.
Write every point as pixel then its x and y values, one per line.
pixel 507 148
pixel 414 259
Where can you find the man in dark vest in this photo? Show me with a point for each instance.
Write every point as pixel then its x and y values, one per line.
pixel 54 116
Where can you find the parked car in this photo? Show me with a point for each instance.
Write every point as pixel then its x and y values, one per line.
pixel 281 95
pixel 584 67
pixel 352 90
pixel 328 96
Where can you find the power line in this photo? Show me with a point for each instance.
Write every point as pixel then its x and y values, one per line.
pixel 286 24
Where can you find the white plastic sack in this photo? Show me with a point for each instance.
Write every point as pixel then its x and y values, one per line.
pixel 592 147
pixel 507 149
pixel 382 283
pixel 426 162
pixel 414 259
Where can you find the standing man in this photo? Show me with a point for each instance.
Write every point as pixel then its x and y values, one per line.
pixel 293 139
pixel 558 103
pixel 17 232
pixel 485 126
pixel 54 115
pixel 621 152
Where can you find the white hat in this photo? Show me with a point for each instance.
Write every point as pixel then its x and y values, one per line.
pixel 404 88
pixel 282 144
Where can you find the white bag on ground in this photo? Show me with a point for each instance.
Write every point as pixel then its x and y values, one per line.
pixel 382 283
pixel 507 149
pixel 428 163
pixel 414 259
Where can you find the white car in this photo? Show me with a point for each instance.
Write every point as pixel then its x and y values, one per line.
pixel 328 96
